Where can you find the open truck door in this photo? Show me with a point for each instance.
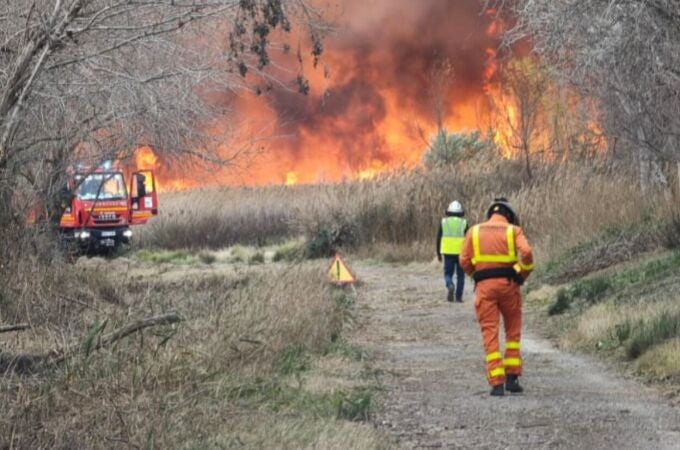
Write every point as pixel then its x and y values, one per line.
pixel 143 197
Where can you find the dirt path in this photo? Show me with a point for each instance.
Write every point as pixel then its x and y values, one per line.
pixel 437 396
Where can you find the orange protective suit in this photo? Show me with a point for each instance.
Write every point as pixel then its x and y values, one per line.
pixel 491 245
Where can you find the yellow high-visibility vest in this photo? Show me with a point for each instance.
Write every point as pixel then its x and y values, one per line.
pixel 479 257
pixel 453 235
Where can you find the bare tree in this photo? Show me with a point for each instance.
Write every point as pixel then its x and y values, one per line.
pixel 89 80
pixel 521 110
pixel 441 79
pixel 625 53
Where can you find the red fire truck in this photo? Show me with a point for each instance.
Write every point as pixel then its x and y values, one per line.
pixel 102 209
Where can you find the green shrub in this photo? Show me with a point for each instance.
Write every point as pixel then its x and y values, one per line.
pixel 290 251
pixel 256 258
pixel 207 257
pixel 328 238
pixel 320 245
pixel 591 290
pixel 161 257
pixel 342 299
pixel 354 406
pixel 450 148
pixel 238 254
pixel 292 359
pixel 664 327
pixel 669 230
pixel 561 304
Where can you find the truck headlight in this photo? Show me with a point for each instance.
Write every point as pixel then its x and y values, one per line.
pixel 83 235
pixel 127 233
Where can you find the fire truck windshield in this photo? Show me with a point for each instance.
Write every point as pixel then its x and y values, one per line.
pixel 113 187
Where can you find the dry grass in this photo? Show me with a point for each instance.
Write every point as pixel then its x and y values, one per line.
pixel 626 314
pixel 228 375
pixel 661 362
pixel 565 204
pixel 577 202
pixel 645 331
pixel 203 219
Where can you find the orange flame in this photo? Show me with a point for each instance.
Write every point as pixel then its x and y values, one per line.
pixel 145 158
pixel 291 179
pixel 372 112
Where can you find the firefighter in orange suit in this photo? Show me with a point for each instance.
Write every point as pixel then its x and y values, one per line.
pixel 497 255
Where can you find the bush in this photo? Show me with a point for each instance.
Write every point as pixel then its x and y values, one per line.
pixel 589 291
pixel 561 304
pixel 669 231
pixel 290 251
pixel 664 327
pixel 256 258
pixel 354 406
pixel 330 237
pixel 207 257
pixel 292 359
pixel 161 257
pixel 450 148
pixel 237 254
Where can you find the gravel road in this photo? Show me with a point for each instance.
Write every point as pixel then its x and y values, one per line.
pixel 432 361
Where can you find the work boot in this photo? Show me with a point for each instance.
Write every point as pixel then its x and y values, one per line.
pixel 512 384
pixel 497 391
pixel 449 295
pixel 459 299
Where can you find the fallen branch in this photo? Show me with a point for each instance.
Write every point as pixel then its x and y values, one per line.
pixel 15 327
pixel 26 363
pixel 165 319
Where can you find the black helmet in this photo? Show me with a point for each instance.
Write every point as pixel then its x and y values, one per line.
pixel 502 206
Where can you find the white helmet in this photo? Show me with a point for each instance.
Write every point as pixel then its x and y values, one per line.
pixel 455 208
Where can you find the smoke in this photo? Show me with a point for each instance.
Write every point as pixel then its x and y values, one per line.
pixel 369 107
pixel 362 115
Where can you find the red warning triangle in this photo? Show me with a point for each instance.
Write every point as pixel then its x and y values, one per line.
pixel 339 272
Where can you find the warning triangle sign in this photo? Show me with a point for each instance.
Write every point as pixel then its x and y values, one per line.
pixel 340 273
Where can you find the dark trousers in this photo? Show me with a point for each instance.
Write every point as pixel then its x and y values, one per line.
pixel 451 265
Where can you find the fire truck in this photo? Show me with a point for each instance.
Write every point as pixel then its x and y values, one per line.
pixel 101 208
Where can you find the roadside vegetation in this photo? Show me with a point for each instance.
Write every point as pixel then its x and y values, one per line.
pixel 622 304
pixel 259 360
pixel 395 216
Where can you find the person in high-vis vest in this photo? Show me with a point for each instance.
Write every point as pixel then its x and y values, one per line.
pixel 499 258
pixel 450 240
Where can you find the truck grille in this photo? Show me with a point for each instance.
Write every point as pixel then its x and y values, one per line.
pixel 107 218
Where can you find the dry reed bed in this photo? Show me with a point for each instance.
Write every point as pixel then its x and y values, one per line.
pixel 562 205
pixel 216 379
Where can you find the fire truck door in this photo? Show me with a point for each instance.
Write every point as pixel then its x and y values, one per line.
pixel 143 196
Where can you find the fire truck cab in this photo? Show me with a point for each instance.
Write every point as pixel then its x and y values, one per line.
pixel 102 208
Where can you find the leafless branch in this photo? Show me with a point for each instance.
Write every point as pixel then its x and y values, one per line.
pixel 25 363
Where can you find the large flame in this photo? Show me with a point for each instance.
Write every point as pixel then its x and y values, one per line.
pixel 369 109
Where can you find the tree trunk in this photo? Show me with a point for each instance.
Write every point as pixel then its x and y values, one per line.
pixel 527 162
